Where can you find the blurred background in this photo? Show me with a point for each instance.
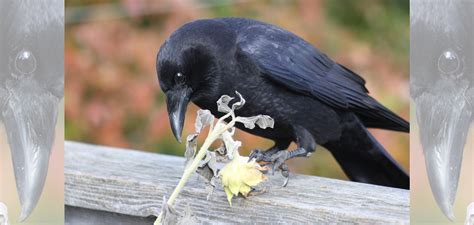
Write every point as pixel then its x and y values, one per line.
pixel 112 92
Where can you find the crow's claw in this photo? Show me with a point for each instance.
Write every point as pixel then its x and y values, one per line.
pixel 260 156
pixel 285 172
pixel 256 154
pixel 278 160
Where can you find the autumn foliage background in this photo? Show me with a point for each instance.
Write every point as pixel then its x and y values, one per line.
pixel 112 96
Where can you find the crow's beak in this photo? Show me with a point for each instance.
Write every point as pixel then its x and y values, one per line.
pixel 177 101
pixel 29 116
pixel 444 116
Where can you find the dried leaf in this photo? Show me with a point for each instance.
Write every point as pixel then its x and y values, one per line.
pixel 204 118
pixel 224 101
pixel 205 172
pixel 191 146
pixel 221 150
pixel 208 167
pixel 223 104
pixel 239 176
pixel 213 163
pixel 230 144
pixel 240 103
pixel 263 121
pixel 208 175
pixel 221 154
pixel 208 170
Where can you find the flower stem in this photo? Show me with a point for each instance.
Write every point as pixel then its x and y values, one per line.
pixel 213 135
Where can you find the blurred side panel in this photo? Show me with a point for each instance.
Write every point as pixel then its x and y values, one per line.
pixel 442 92
pixel 32 110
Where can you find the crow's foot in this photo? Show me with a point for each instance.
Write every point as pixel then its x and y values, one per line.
pixel 261 156
pixel 276 159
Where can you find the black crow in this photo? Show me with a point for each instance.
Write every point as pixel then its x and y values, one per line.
pixel 442 86
pixel 312 99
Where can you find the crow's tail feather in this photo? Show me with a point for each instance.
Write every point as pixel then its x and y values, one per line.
pixel 378 116
pixel 363 159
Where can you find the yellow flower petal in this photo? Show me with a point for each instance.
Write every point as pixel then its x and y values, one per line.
pixel 253 177
pixel 245 189
pixel 239 176
pixel 229 195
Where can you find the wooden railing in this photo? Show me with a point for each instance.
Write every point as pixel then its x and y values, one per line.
pixel 105 185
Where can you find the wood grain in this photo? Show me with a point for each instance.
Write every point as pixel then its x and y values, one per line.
pixel 134 183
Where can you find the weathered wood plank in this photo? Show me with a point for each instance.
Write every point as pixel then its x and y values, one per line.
pixel 82 216
pixel 133 183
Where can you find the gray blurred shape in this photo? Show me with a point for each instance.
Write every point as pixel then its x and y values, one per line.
pixel 3 214
pixel 441 85
pixel 31 86
pixel 470 214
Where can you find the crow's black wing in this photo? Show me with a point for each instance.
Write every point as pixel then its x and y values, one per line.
pixel 294 63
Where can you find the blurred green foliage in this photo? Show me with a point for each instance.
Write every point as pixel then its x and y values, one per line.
pixel 385 18
pixel 112 93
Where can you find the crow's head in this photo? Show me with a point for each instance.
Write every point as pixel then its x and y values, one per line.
pixel 189 64
pixel 442 75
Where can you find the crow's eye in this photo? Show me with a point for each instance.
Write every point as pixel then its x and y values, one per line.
pixel 25 62
pixel 449 63
pixel 179 78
